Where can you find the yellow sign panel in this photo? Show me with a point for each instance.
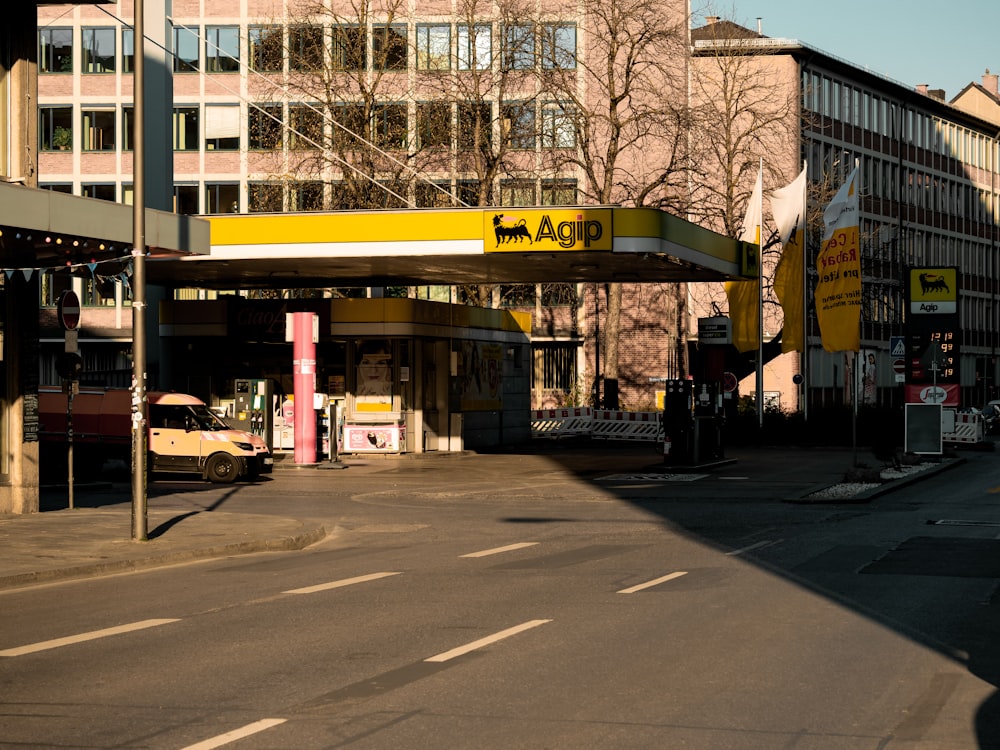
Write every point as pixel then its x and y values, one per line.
pixel 933 290
pixel 547 230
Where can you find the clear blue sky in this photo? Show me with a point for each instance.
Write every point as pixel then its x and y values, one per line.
pixel 946 44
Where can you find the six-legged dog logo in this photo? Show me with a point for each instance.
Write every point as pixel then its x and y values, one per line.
pixel 507 232
pixel 932 282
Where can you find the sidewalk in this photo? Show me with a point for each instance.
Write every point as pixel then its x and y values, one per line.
pixel 88 542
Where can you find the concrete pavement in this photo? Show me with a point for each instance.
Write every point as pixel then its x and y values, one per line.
pixel 86 542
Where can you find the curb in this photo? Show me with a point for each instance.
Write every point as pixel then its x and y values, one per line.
pixel 301 540
pixel 884 488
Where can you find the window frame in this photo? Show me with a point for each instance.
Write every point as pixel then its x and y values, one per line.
pixel 88 56
pixel 186 37
pixel 221 55
pixel 472 52
pixel 260 48
pixel 50 60
pixel 433 53
pixel 187 128
pixel 99 117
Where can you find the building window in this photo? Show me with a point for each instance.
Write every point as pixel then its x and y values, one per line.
pixel 475 123
pixel 558 294
pixel 349 125
pixel 265 197
pixel 305 125
pixel 433 47
pixel 475 46
pixel 264 127
pixel 434 195
pixel 128 51
pixel 519 124
pixel 517 193
pixel 305 48
pixel 128 127
pixel 55 128
pixel 468 192
pixel 222 127
pixel 519 47
pixel 185 128
pixel 186 199
pixel 98 129
pixel 55 50
pixel 517 295
pixel 306 195
pixel 559 46
pixel 222 198
pixel 186 49
pixel 558 193
pixel 57 187
pixel 100 191
pixel 349 48
pixel 389 47
pixel 222 49
pixel 98 45
pixel 389 125
pixel 555 365
pixel 433 125
pixel 557 127
pixel 266 52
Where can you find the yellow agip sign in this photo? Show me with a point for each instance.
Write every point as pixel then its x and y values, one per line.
pixel 547 230
pixel 933 290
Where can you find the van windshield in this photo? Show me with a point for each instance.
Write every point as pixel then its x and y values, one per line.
pixel 208 419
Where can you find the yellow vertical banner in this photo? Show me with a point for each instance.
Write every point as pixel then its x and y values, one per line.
pixel 788 206
pixel 744 296
pixel 838 287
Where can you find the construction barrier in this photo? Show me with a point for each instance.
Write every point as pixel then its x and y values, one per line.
pixel 599 423
pixel 969 428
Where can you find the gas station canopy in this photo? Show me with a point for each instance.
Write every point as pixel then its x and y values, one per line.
pixel 456 246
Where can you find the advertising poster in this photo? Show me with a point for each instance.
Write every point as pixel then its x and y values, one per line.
pixel 479 376
pixel 374 377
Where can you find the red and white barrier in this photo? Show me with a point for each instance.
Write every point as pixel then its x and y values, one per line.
pixel 599 423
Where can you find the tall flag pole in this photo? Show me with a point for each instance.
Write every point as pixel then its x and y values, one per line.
pixel 745 296
pixel 838 266
pixel 788 206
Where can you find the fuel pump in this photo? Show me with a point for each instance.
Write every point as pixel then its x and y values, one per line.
pixel 253 409
pixel 678 424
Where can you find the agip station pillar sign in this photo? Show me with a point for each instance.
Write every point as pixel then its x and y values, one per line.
pixel 933 337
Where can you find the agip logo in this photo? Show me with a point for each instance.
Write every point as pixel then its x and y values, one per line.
pixel 527 230
pixel 933 291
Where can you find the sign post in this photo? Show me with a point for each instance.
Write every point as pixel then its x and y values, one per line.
pixel 69 318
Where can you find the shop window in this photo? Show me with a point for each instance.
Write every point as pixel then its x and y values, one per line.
pixel 222 49
pixel 186 49
pixel 55 50
pixel 98 49
pixel 185 128
pixel 55 125
pixel 222 198
pixel 98 129
pixel 389 47
pixel 222 127
pixel 266 52
pixel 433 46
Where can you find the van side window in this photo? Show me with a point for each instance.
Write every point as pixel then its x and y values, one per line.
pixel 168 417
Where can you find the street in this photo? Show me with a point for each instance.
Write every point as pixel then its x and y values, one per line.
pixel 534 601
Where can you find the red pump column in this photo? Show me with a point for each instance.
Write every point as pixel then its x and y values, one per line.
pixel 304 335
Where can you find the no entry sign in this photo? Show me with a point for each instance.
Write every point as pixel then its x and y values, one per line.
pixel 69 310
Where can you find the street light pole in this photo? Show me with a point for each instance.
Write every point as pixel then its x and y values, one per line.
pixel 139 401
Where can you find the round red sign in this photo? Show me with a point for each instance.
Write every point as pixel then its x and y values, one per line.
pixel 69 310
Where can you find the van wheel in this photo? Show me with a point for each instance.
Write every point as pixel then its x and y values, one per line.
pixel 222 469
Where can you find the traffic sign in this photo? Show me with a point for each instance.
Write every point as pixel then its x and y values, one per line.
pixel 729 382
pixel 69 310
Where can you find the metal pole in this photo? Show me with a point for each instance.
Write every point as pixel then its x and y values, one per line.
pixel 139 402
pixel 805 294
pixel 69 440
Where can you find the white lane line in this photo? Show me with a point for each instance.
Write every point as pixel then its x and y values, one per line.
pixel 498 550
pixel 654 582
pixel 487 640
pixel 81 637
pixel 236 734
pixel 340 583
pixel 758 545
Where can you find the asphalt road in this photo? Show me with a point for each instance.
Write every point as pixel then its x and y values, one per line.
pixel 531 603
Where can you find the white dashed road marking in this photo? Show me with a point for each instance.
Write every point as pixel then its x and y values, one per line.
pixel 82 637
pixel 461 650
pixel 498 550
pixel 654 582
pixel 236 734
pixel 340 583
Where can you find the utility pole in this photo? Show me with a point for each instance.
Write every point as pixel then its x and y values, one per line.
pixel 139 400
